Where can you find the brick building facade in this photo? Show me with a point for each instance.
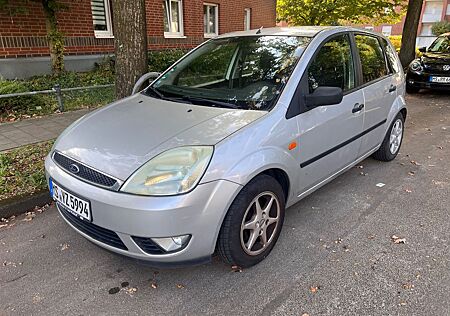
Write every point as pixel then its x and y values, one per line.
pixel 87 27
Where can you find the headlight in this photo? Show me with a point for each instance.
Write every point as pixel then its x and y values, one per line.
pixel 172 172
pixel 416 65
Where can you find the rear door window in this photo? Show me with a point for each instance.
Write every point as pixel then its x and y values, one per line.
pixel 391 56
pixel 373 62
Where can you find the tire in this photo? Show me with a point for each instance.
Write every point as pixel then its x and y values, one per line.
pixel 233 237
pixel 411 89
pixel 388 151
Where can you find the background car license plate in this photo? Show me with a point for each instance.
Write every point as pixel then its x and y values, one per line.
pixel 72 203
pixel 440 79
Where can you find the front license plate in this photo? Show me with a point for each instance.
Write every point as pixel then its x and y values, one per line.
pixel 440 79
pixel 77 206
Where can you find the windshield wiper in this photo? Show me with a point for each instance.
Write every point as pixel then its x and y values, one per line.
pixel 211 102
pixel 156 92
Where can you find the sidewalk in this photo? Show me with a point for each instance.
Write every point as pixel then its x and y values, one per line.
pixel 16 134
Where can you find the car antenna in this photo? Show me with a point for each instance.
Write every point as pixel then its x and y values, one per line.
pixel 260 30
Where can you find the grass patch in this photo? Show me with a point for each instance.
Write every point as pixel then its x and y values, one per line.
pixel 22 170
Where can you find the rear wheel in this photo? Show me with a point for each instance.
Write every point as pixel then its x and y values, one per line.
pixel 253 223
pixel 392 141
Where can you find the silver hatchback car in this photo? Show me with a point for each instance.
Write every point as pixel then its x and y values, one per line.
pixel 207 158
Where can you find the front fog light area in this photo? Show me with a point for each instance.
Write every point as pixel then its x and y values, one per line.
pixel 171 244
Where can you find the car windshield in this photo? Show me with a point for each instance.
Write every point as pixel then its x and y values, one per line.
pixel 241 72
pixel 440 45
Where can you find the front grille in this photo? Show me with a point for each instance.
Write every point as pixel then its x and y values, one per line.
pixel 148 246
pixel 436 69
pixel 84 172
pixel 101 234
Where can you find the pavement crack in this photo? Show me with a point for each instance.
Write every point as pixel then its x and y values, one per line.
pixel 17 278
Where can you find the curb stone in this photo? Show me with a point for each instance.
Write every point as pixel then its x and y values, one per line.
pixel 21 204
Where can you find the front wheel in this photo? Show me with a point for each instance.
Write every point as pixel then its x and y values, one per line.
pixel 253 223
pixel 392 141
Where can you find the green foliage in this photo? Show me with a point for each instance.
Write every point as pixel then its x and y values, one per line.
pixel 396 41
pixel 161 60
pixel 26 104
pixel 440 28
pixel 22 170
pixel 19 107
pixel 334 12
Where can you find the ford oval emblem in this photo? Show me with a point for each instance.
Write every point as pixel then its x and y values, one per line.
pixel 74 168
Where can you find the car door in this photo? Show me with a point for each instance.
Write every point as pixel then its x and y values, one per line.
pixel 328 134
pixel 380 90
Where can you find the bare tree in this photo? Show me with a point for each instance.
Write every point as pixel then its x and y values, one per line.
pixel 130 43
pixel 408 48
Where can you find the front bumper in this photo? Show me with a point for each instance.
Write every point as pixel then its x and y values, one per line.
pixel 422 81
pixel 198 213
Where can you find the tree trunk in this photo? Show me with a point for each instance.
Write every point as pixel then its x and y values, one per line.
pixel 408 48
pixel 55 37
pixel 130 41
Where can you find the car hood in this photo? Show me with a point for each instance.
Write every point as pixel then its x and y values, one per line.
pixel 121 137
pixel 431 59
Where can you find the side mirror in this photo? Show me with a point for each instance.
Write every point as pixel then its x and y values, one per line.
pixel 149 75
pixel 324 96
pixel 423 49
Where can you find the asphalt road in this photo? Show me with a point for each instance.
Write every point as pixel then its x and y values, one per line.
pixel 334 257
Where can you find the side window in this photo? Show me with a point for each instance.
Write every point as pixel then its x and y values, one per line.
pixel 373 62
pixel 391 57
pixel 333 65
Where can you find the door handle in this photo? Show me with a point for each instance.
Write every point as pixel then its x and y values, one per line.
pixel 358 107
pixel 392 88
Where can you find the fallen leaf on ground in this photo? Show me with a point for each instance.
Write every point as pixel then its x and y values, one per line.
pixel 380 185
pixel 398 240
pixel 415 163
pixel 131 290
pixel 305 314
pixel 314 289
pixel 411 173
pixel 408 191
pixel 180 286
pixel 408 286
pixel 114 290
pixel 154 285
pixel 4 225
pixel 124 284
pixel 338 241
pixel 236 269
pixel 440 147
pixel 64 247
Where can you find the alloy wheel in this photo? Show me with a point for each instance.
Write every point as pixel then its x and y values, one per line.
pixel 396 136
pixel 260 223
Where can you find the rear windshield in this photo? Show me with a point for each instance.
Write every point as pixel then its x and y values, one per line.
pixel 241 72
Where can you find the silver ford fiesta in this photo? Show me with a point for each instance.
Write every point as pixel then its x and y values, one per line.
pixel 208 156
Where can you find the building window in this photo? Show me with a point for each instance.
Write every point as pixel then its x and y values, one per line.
pixel 426 29
pixel 101 17
pixel 173 18
pixel 386 30
pixel 247 19
pixel 211 19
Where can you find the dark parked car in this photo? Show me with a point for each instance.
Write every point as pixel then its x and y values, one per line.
pixel 432 70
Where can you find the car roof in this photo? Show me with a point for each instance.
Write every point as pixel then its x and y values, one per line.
pixel 307 31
